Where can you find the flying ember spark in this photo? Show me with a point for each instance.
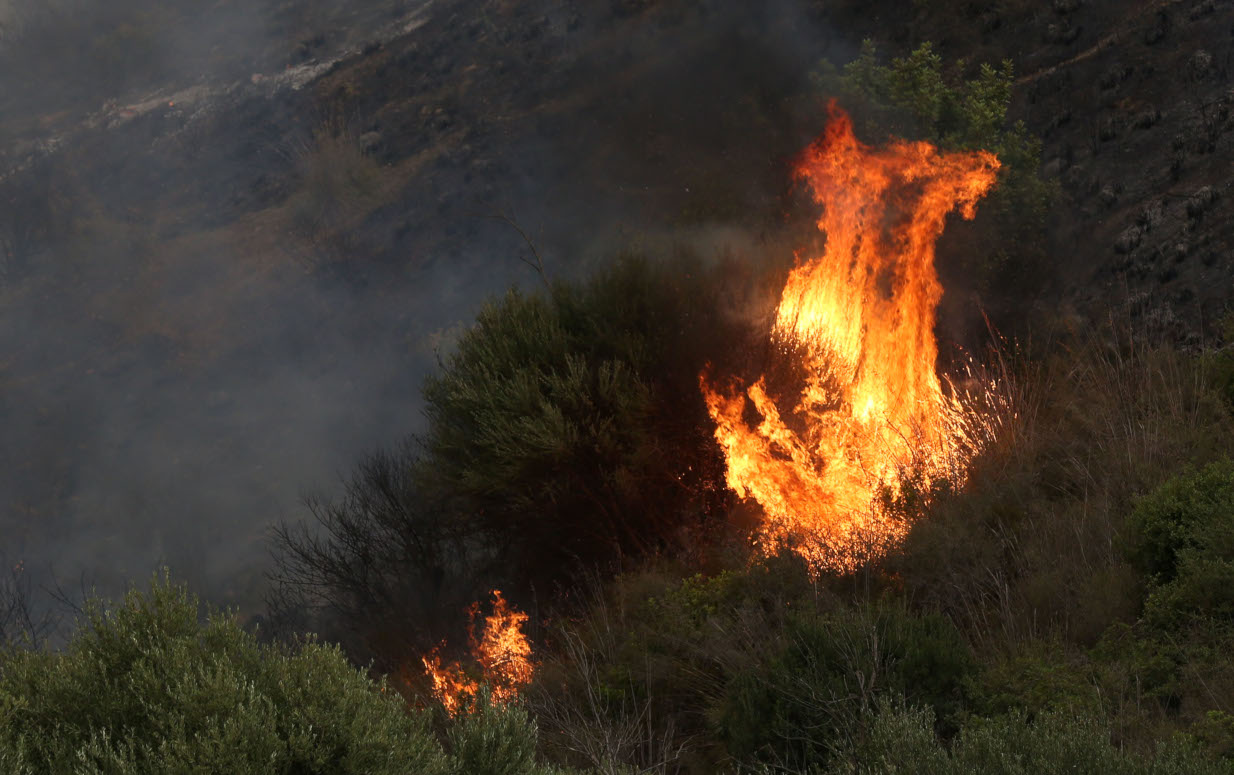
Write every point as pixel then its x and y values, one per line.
pixel 868 408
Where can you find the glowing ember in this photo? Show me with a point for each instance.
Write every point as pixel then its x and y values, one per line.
pixel 861 317
pixel 502 654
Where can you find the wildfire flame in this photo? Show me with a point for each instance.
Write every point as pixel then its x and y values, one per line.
pixel 502 653
pixel 861 319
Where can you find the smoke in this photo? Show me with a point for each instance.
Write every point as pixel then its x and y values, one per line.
pixel 189 346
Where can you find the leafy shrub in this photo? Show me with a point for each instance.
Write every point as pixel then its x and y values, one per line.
pixel 1039 678
pixel 902 740
pixel 809 699
pixel 150 688
pixel 1215 732
pixel 147 687
pixel 489 739
pixel 571 423
pixel 1029 548
pixel 1181 537
pixel 338 183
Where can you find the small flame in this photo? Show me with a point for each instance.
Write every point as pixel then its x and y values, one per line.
pixel 861 319
pixel 502 653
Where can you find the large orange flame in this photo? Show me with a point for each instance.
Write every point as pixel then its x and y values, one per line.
pixel 861 319
pixel 501 652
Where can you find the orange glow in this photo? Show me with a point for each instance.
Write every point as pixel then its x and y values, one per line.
pixel 867 407
pixel 501 653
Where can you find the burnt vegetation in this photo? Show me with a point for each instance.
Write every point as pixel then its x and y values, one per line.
pixel 1068 607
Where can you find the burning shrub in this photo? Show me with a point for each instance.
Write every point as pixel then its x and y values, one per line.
pixel 860 317
pixel 501 652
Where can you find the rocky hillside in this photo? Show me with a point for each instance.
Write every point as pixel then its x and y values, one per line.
pixel 219 287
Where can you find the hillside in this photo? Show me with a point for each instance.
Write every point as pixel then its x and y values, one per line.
pixel 256 326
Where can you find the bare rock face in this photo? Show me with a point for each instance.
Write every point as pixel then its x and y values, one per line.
pixel 1149 98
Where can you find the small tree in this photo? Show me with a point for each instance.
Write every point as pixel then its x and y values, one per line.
pixel 571 425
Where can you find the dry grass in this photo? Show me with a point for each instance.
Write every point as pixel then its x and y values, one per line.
pixel 1030 547
pixel 339 184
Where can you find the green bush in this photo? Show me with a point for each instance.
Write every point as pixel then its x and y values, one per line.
pixel 809 700
pixel 1039 678
pixel 901 740
pixel 1181 537
pixel 572 422
pixel 488 739
pixel 148 688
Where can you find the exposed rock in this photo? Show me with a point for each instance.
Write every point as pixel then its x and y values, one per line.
pixel 1200 201
pixel 1150 215
pixel 1201 10
pixel 369 142
pixel 1200 64
pixel 1146 119
pixel 1107 130
pixel 1129 239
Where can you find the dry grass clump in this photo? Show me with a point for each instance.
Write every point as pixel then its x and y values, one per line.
pixel 339 183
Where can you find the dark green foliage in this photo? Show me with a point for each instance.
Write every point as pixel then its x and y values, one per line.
pixel 571 424
pixel 147 687
pixel 487 739
pixel 902 740
pixel 1181 537
pixel 1039 678
pixel 810 697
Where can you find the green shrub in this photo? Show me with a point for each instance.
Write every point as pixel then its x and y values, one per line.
pixel 572 422
pixel 489 739
pixel 809 699
pixel 901 740
pixel 1215 732
pixel 1181 537
pixel 147 687
pixel 1039 678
